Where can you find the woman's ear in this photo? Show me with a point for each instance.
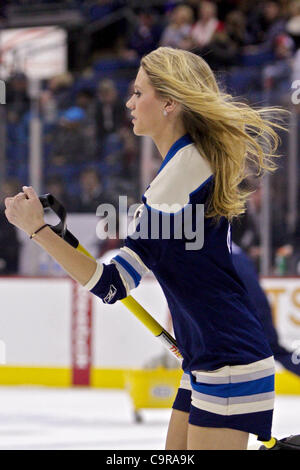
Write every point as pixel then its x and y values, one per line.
pixel 171 106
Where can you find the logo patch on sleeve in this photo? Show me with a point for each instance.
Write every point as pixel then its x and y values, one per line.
pixel 111 293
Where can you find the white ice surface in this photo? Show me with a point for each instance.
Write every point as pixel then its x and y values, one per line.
pixel 33 418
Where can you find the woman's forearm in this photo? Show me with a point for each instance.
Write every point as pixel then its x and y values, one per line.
pixel 79 266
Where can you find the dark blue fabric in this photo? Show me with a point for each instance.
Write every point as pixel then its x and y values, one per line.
pixel 110 287
pixel 214 321
pixel 259 423
pixel 182 401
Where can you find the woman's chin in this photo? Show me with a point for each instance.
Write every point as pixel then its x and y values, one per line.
pixel 137 131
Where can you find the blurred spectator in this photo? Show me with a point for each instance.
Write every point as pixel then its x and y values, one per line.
pixel 85 100
pixel 177 33
pixel 92 192
pixel 293 9
pixel 110 110
pixel 146 35
pixel 254 20
pixel 56 186
pixel 123 165
pixel 226 44
pixel 293 29
pixel 48 107
pixel 9 243
pixel 60 88
pixel 205 27
pixel 277 75
pixel 17 95
pixel 272 25
pixel 235 26
pixel 227 6
pixel 246 230
pixel 70 144
pixel 130 152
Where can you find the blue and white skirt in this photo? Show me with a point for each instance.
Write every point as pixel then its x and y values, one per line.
pixel 236 397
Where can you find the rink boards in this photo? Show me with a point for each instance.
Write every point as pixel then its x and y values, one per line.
pixel 54 333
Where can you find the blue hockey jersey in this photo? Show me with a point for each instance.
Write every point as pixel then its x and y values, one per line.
pixel 214 320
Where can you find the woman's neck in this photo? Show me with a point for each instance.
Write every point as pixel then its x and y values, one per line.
pixel 165 140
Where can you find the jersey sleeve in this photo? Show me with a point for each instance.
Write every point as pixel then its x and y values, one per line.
pixel 107 283
pixel 140 253
pixel 142 250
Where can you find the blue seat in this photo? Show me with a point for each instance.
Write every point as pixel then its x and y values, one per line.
pixel 258 58
pixel 241 81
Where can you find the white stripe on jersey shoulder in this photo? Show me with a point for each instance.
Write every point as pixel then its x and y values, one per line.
pixel 95 277
pixel 183 174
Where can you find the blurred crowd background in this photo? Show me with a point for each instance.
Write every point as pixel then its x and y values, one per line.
pixel 90 154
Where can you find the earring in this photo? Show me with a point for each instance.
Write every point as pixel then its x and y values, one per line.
pixel 165 112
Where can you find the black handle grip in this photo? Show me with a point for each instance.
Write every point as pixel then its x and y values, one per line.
pixel 48 200
pixel 69 237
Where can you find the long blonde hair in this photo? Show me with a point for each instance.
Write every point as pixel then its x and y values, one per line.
pixel 231 135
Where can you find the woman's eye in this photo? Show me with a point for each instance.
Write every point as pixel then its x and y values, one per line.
pixel 137 93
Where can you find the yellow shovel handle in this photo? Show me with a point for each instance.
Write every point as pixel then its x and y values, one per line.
pixel 148 321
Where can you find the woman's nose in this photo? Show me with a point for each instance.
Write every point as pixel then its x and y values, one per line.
pixel 129 103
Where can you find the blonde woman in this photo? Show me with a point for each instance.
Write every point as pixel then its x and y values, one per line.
pixel 206 141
